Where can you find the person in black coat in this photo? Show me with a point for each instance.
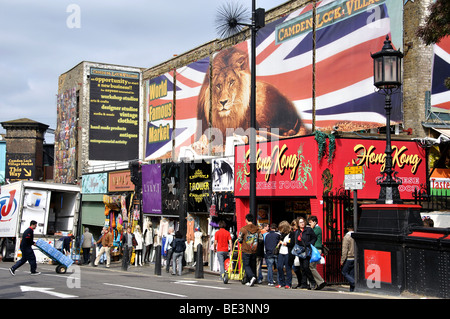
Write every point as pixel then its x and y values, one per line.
pixel 26 246
pixel 305 236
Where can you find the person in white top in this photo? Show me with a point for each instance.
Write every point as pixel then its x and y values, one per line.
pixel 140 244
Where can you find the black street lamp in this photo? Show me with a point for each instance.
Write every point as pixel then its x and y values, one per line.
pixel 229 23
pixel 387 76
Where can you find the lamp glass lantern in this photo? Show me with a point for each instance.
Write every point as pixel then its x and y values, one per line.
pixel 387 65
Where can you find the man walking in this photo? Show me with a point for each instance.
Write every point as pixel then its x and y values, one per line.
pixel 127 244
pixel 107 243
pixel 249 237
pixel 27 251
pixel 271 240
pixel 87 241
pixel 348 258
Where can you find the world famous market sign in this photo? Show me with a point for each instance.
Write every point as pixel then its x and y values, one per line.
pixel 291 167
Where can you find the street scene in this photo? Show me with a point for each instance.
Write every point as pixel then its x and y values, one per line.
pixel 142 283
pixel 226 160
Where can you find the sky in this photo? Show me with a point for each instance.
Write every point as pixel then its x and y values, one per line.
pixel 40 40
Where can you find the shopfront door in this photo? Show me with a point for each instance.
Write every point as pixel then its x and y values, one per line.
pixel 337 216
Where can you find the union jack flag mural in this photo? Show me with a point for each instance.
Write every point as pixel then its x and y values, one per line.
pixel 440 94
pixel 340 90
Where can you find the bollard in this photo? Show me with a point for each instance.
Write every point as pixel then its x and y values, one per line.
pixel 93 254
pixel 158 260
pixel 125 260
pixel 199 262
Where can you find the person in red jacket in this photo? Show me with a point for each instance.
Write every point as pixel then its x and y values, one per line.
pixel 222 245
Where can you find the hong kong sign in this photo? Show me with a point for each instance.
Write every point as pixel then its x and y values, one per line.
pixel 291 167
pixel 284 168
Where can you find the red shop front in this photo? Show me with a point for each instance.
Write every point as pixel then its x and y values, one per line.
pixel 291 179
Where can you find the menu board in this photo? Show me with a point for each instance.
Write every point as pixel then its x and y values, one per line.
pixel 114 115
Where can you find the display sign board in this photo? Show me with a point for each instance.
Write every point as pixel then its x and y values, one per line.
pixel 199 186
pixel 353 177
pixel 291 167
pixel 19 167
pixel 120 181
pixel 151 189
pixel 94 183
pixel 284 168
pixel 114 115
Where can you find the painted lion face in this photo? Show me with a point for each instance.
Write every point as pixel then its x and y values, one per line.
pixel 230 87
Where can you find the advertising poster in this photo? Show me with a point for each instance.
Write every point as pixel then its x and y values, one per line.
pixel 199 187
pixel 440 94
pixel 347 32
pixel 172 189
pixel 94 183
pixel 151 189
pixel 440 182
pixel 165 104
pixel 114 115
pixel 222 174
pixel 189 80
pixel 66 137
pixel 160 112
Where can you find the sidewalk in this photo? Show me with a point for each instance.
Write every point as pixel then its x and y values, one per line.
pixel 150 268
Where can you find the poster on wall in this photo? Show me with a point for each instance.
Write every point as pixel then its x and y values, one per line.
pixel 66 137
pixel 440 94
pixel 113 115
pixel 199 187
pixel 172 189
pixel 94 183
pixel 160 117
pixel 189 81
pixel 263 214
pixel 151 189
pixel 222 174
pixel 347 31
pixel 162 107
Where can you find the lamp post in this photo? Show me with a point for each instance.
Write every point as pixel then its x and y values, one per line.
pixel 387 78
pixel 258 21
pixel 229 24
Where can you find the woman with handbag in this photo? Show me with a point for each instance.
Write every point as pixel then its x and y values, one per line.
pixel 305 236
pixel 295 264
pixel 286 243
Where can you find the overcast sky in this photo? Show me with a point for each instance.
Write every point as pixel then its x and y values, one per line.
pixel 41 39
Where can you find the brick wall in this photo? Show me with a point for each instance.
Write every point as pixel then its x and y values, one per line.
pixel 417 65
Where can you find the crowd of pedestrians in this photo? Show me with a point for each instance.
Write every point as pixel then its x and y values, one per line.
pixel 275 244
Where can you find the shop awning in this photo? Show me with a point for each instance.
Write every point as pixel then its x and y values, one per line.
pixel 443 131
